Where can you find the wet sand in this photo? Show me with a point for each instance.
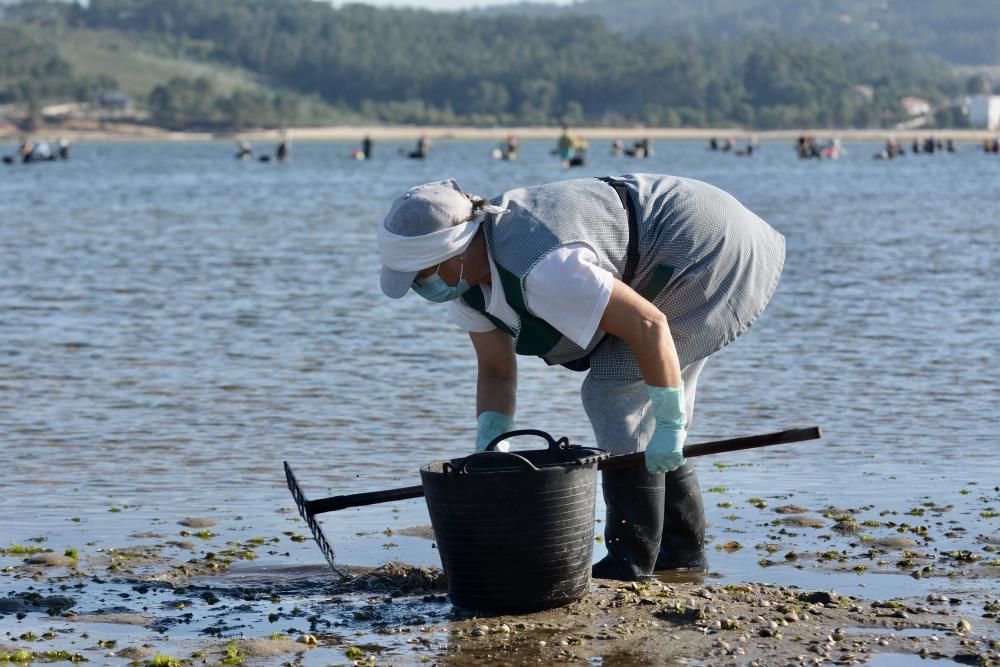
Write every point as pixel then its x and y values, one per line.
pixel 173 594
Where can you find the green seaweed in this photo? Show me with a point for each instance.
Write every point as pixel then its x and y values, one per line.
pixel 21 656
pixel 22 550
pixel 61 656
pixel 232 656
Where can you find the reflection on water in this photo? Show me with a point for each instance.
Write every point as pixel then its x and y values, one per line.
pixel 176 323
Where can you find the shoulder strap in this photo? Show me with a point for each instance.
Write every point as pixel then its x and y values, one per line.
pixel 632 253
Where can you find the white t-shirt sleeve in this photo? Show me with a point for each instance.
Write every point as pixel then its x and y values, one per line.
pixel 570 291
pixel 468 318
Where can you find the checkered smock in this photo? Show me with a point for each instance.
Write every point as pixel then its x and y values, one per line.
pixel 707 263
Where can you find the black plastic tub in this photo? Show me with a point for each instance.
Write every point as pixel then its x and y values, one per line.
pixel 515 530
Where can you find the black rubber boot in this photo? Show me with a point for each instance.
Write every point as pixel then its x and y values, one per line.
pixel 633 524
pixel 682 546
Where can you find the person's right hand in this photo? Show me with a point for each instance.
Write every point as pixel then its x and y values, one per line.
pixel 489 426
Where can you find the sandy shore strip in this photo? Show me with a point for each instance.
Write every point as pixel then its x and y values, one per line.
pixel 93 131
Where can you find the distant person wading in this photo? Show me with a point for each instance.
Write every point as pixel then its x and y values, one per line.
pixel 636 280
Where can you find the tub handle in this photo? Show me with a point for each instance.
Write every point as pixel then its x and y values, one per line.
pixel 561 443
pixel 461 466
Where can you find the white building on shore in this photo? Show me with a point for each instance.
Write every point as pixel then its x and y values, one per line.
pixel 984 112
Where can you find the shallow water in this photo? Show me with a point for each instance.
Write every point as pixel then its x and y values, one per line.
pixel 175 323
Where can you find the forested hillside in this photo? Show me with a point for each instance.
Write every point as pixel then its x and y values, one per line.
pixel 31 70
pixel 412 66
pixel 959 31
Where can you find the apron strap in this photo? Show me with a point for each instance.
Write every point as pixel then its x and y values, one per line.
pixel 631 261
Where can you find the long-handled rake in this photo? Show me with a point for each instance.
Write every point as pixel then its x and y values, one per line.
pixel 310 508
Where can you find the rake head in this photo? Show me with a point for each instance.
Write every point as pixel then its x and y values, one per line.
pixel 317 531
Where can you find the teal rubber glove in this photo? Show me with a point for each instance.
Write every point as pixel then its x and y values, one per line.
pixel 665 451
pixel 489 426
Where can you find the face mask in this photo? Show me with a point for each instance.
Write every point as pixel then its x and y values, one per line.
pixel 434 288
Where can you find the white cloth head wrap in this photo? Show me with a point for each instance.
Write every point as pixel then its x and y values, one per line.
pixel 416 253
pixel 426 226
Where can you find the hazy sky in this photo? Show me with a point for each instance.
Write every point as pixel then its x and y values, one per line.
pixel 447 4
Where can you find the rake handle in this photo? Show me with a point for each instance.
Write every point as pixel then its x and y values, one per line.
pixel 720 446
pixel 334 503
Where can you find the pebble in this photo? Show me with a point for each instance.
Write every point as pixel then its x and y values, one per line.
pixel 50 560
pixel 896 542
pixel 192 522
pixel 963 626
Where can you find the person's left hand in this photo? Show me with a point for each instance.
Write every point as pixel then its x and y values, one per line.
pixel 665 451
